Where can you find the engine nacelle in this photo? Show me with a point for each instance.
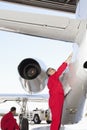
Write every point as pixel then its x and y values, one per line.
pixel 32 77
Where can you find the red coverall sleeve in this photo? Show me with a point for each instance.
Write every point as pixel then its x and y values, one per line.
pixel 16 125
pixel 60 70
pixel 13 125
pixel 4 124
pixel 10 124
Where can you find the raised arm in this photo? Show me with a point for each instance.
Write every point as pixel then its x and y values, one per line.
pixel 63 66
pixel 68 60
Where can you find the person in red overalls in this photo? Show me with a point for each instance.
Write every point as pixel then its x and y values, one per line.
pixel 56 94
pixel 8 122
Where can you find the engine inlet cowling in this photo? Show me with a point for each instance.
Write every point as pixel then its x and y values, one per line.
pixel 32 76
pixel 29 69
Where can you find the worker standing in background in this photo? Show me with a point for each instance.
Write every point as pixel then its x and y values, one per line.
pixel 8 122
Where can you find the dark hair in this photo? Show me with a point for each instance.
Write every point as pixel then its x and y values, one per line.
pixel 13 109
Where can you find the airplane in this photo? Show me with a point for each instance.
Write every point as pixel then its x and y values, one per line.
pixel 22 103
pixel 23 99
pixel 57 28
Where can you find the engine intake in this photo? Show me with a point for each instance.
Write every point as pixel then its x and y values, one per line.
pixel 85 65
pixel 32 77
pixel 29 69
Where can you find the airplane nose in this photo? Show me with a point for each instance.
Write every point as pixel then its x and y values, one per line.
pixel 29 68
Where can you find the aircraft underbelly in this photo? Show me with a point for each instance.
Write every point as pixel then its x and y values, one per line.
pixel 46 26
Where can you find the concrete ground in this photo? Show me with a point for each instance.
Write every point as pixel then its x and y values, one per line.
pixel 82 125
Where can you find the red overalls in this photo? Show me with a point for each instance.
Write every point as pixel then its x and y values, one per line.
pixel 56 97
pixel 8 122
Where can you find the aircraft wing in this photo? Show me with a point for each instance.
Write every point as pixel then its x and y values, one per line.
pixel 42 25
pixel 19 97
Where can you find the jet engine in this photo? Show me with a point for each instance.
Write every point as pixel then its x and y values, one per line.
pixel 32 76
pixel 85 65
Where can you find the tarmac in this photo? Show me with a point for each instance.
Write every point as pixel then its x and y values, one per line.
pixel 42 126
pixel 81 125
